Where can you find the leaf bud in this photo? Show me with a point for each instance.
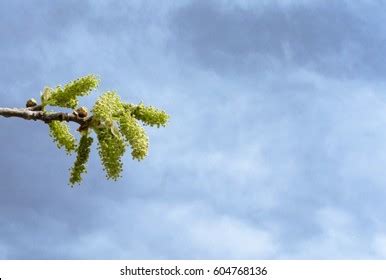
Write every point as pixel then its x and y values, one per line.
pixel 81 112
pixel 31 103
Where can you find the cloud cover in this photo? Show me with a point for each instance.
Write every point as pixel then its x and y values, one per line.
pixel 275 149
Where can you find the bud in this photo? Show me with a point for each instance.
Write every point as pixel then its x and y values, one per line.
pixel 31 103
pixel 81 112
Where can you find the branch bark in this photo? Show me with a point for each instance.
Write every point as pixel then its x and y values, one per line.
pixel 35 113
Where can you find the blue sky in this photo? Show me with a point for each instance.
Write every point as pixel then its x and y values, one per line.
pixel 276 147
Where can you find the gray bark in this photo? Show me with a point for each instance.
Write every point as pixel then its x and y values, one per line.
pixel 35 113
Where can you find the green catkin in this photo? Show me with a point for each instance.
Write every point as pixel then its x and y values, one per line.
pixel 107 108
pixel 67 96
pixel 111 148
pixel 150 115
pixel 83 153
pixel 60 133
pixel 135 135
pixel 111 145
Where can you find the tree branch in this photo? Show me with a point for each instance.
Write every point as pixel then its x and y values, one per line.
pixel 35 113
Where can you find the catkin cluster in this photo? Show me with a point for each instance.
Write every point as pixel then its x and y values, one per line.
pixel 60 133
pixel 108 113
pixel 83 153
pixel 114 122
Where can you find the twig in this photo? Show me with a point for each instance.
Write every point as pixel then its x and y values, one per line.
pixel 36 113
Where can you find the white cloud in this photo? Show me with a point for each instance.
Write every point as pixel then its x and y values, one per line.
pixel 215 235
pixel 225 237
pixel 379 245
pixel 338 237
pixel 3 251
pixel 166 230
